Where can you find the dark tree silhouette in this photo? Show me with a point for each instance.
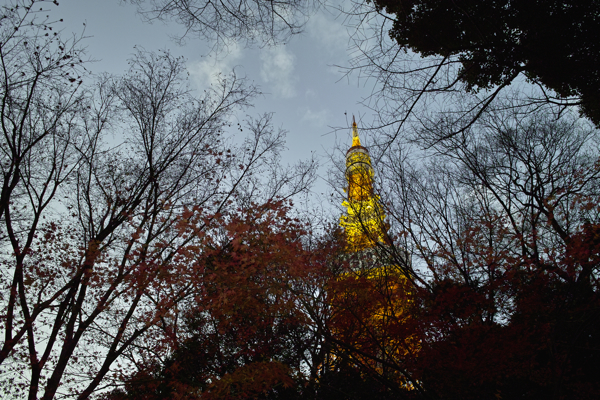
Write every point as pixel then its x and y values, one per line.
pixel 456 59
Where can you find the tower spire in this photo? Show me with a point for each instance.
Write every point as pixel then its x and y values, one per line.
pixel 355 138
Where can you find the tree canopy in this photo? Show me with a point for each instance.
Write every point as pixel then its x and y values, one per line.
pixel 553 43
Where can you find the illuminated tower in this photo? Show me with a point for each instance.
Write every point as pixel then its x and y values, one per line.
pixel 364 221
pixel 372 301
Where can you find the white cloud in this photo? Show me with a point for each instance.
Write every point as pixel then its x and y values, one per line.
pixel 205 72
pixel 277 70
pixel 329 32
pixel 316 118
pixel 310 94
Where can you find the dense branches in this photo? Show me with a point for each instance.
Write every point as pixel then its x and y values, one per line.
pixel 251 21
pixel 143 245
pixel 552 42
pixel 98 184
pixel 491 184
pixel 434 58
pixel 501 223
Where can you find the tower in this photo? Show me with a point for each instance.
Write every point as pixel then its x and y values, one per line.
pixel 372 301
pixel 364 221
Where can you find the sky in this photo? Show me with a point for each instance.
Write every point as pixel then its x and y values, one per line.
pixel 302 83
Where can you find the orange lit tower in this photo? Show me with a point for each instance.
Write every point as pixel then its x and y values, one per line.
pixel 372 299
pixel 364 221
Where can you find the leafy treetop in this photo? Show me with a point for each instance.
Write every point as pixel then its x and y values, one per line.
pixel 554 43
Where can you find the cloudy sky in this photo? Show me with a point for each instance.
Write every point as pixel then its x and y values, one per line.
pixel 308 94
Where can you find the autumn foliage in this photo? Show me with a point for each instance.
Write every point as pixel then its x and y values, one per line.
pixel 243 333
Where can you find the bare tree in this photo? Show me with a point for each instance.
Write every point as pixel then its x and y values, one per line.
pixel 250 21
pixel 528 171
pixel 96 179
